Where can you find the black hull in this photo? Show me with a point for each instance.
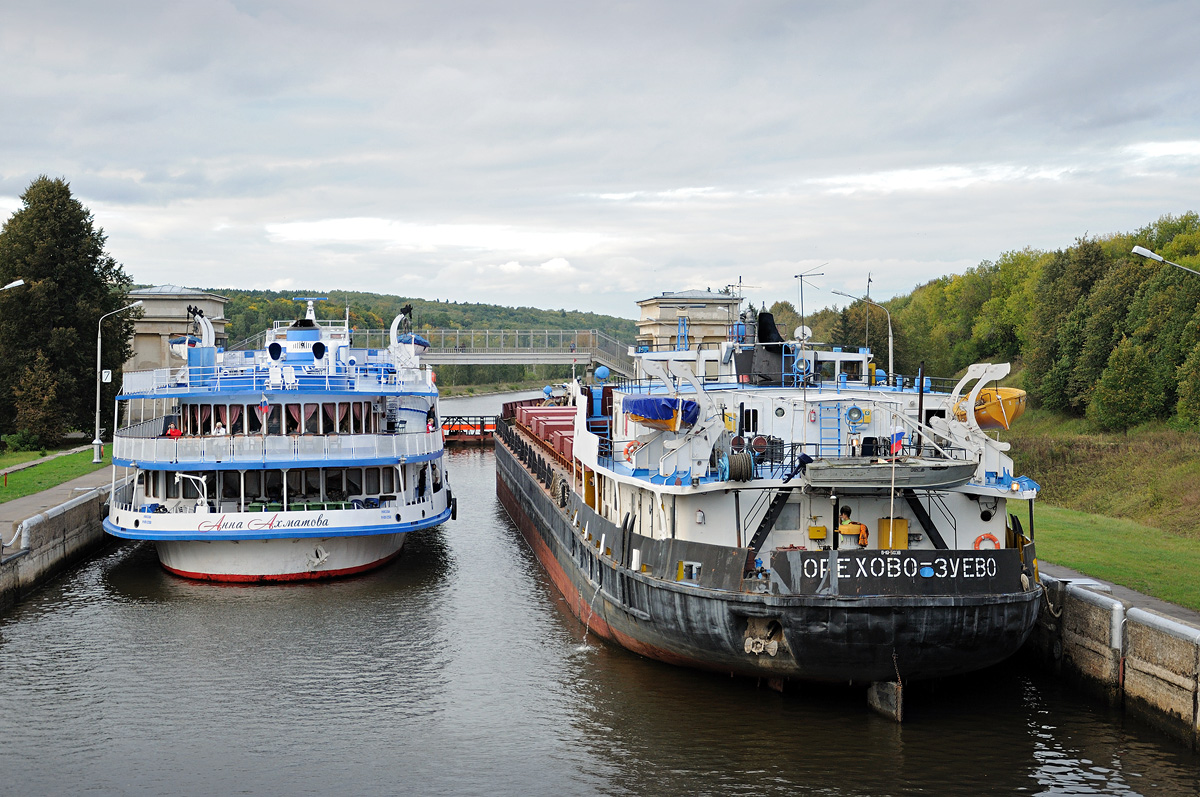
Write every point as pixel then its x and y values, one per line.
pixel 817 637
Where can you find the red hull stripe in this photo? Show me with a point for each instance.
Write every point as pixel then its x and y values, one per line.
pixel 305 576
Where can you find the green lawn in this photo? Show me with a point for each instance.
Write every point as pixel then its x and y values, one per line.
pixel 49 474
pixel 1149 560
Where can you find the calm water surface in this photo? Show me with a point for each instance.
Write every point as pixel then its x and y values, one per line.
pixel 456 670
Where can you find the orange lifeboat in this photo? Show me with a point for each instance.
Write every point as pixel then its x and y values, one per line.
pixel 995 407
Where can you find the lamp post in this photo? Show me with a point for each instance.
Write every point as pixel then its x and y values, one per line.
pixel 14 284
pixel 1144 252
pixel 96 442
pixel 891 373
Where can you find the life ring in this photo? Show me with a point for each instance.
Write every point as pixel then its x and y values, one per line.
pixel 979 540
pixel 631 448
pixel 812 416
pixel 854 415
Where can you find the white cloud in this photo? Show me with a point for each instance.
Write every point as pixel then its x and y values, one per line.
pixel 490 237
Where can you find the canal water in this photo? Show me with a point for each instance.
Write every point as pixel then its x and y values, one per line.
pixel 458 670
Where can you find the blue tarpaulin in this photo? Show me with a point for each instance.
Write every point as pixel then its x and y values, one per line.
pixel 660 411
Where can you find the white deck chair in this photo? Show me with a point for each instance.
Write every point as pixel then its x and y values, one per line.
pixel 274 378
pixel 289 378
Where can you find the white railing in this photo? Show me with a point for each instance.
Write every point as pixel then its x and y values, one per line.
pixel 275 448
pixel 368 375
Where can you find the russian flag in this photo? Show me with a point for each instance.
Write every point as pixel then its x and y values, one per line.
pixel 897 439
pixel 264 405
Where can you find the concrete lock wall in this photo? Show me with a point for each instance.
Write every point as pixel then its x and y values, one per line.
pixel 51 541
pixel 1143 661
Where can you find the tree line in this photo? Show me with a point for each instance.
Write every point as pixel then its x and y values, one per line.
pixel 1096 331
pixel 251 311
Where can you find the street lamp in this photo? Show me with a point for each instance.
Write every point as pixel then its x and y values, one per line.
pixel 13 284
pixel 96 442
pixel 1144 252
pixel 891 373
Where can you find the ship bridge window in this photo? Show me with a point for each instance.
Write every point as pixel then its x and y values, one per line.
pixel 827 370
pixel 853 370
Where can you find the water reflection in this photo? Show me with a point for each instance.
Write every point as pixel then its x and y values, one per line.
pixel 457 670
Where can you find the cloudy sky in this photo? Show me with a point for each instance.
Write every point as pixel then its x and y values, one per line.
pixel 586 155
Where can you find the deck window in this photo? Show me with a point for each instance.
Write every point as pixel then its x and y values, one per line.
pixel 749 421
pixel 312 483
pixel 388 484
pixel 343 424
pixel 236 426
pixel 275 419
pixel 231 484
pixel 172 485
pixel 254 421
pixel 191 490
pixel 291 418
pixel 312 420
pixel 295 484
pixel 254 485
pixel 354 481
pixel 273 485
pixel 371 484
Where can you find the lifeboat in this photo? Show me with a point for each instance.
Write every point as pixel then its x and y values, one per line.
pixel 995 408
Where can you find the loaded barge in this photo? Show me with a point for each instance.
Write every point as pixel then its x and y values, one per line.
pixel 772 509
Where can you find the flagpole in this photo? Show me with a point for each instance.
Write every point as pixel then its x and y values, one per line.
pixel 892 492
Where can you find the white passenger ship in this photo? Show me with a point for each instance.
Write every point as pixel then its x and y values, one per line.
pixel 304 459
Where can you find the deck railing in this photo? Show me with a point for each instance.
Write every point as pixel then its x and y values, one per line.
pixel 252 449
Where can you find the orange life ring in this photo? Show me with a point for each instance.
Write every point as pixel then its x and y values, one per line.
pixel 631 448
pixel 812 416
pixel 979 540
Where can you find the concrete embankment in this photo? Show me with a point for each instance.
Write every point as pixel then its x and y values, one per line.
pixel 49 531
pixel 1127 649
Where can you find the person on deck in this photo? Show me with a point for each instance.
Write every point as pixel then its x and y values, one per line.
pixel 173 432
pixel 849 526
pixel 219 430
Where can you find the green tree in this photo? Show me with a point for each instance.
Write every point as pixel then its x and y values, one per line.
pixel 70 282
pixel 1128 393
pixel 39 412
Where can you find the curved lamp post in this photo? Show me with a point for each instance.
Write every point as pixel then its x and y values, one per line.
pixel 1144 252
pixel 96 441
pixel 891 372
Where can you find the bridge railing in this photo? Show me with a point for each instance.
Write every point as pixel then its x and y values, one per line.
pixel 592 343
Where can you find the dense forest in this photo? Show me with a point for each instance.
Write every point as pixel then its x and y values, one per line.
pixel 250 312
pixel 1094 330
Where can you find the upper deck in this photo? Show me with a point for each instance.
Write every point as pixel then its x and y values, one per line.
pixel 368 371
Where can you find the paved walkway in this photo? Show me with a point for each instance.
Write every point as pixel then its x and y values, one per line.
pixel 14 511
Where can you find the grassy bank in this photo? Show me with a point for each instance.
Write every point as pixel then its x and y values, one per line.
pixel 49 474
pixel 1146 559
pixel 1150 476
